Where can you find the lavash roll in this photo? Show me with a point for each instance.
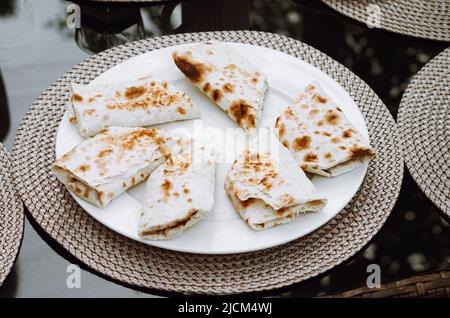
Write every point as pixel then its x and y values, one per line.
pixel 267 188
pixel 101 168
pixel 227 78
pixel 319 136
pixel 179 193
pixel 138 103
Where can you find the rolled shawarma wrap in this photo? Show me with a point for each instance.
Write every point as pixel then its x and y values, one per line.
pixel 227 78
pixel 101 168
pixel 267 188
pixel 319 136
pixel 179 193
pixel 139 103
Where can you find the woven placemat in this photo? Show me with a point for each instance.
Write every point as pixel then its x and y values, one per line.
pixel 429 19
pixel 142 265
pixel 424 121
pixel 433 285
pixel 11 217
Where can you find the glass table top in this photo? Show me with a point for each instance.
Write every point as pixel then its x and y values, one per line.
pixel 40 40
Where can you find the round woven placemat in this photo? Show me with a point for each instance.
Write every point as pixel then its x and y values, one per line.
pixel 424 120
pixel 429 19
pixel 433 285
pixel 142 265
pixel 11 217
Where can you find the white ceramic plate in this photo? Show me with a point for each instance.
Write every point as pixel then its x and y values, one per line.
pixel 223 231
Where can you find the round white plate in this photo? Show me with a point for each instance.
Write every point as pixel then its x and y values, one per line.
pixel 222 231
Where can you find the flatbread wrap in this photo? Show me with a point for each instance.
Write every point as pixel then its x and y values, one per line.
pixel 267 188
pixel 227 78
pixel 139 103
pixel 179 193
pixel 102 167
pixel 319 136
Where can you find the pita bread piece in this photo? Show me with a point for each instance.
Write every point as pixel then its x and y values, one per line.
pixel 138 103
pixel 228 79
pixel 319 136
pixel 179 193
pixel 268 189
pixel 101 168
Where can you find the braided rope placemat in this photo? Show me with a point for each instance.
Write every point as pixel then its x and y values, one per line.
pixel 429 19
pixel 142 265
pixel 424 121
pixel 11 217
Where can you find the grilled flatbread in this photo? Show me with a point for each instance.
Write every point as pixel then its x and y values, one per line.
pixel 228 79
pixel 102 167
pixel 267 188
pixel 139 103
pixel 179 193
pixel 319 136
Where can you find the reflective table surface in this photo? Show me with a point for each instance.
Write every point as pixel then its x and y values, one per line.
pixel 40 40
